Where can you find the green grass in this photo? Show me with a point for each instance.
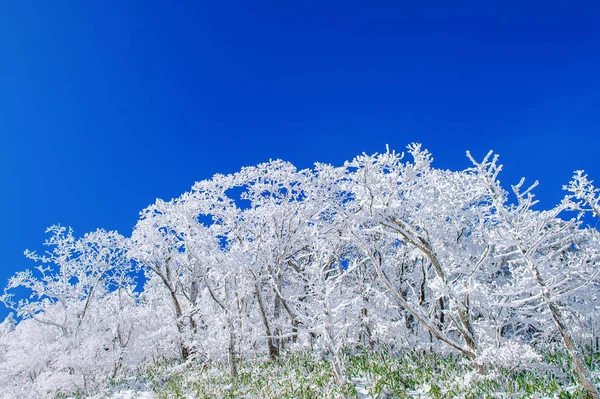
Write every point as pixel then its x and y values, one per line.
pixel 385 374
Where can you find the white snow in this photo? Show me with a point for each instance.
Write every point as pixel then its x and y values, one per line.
pixel 129 394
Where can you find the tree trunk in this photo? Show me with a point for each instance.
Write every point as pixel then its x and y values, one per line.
pixel 578 364
pixel 231 349
pixel 185 351
pixel 273 350
pixel 334 357
pixel 365 334
pixel 294 330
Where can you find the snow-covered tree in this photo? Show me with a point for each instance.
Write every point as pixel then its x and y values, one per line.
pixel 554 252
pixel 68 338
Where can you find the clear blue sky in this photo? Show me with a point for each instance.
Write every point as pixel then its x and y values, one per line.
pixel 107 105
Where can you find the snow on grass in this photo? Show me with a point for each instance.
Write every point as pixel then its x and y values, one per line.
pixel 381 375
pixel 128 394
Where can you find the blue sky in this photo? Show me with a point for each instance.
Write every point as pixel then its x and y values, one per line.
pixel 105 106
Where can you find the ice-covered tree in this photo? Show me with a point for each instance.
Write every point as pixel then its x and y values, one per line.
pixel 554 252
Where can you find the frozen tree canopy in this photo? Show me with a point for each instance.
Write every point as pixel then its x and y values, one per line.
pixel 384 250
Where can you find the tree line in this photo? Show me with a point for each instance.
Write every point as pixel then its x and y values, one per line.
pixel 379 251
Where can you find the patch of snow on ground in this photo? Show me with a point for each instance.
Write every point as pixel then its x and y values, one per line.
pixel 129 394
pixel 360 387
